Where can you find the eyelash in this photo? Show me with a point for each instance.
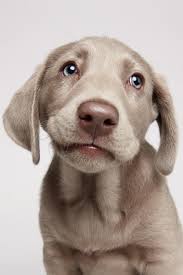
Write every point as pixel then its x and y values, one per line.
pixel 70 62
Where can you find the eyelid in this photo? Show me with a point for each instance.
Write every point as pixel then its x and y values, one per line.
pixel 68 63
pixel 137 73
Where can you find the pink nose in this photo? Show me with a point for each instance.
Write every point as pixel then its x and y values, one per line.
pixel 97 117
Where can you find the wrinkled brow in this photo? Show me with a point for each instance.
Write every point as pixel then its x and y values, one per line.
pixel 128 64
pixel 80 51
pixel 72 49
pixel 135 64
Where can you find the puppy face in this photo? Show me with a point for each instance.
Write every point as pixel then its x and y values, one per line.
pixel 96 99
pixel 103 73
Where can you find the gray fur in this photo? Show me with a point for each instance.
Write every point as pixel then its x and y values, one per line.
pixel 108 215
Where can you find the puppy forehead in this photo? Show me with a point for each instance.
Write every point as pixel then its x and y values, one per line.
pixel 103 51
pixel 114 52
pixel 104 45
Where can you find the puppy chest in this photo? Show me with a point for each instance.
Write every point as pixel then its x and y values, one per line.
pixel 118 261
pixel 88 232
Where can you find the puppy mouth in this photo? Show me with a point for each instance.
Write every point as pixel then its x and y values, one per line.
pixel 90 150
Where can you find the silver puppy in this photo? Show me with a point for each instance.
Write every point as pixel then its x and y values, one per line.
pixel 105 206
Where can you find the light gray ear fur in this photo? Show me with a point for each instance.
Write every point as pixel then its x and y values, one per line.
pixel 166 155
pixel 21 118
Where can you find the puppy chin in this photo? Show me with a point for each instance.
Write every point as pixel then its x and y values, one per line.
pixel 87 161
pixel 86 164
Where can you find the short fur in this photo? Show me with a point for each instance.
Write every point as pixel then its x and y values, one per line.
pixel 113 214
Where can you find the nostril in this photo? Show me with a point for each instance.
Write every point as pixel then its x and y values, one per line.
pixel 109 122
pixel 86 117
pixel 97 118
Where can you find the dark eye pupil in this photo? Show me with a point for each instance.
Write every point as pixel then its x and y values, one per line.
pixel 69 69
pixel 136 81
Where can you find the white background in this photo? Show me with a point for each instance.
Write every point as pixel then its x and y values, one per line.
pixel 28 31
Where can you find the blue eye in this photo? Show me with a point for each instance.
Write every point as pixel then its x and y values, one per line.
pixel 70 69
pixel 136 80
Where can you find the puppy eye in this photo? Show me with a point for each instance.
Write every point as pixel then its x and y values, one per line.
pixel 136 80
pixel 70 69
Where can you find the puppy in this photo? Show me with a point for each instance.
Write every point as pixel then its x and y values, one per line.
pixel 105 206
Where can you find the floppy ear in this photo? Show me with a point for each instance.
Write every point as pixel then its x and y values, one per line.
pixel 21 118
pixel 166 155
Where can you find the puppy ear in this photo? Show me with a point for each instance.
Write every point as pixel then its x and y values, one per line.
pixel 21 118
pixel 166 155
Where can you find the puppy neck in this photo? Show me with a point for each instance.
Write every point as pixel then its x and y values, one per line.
pixel 101 190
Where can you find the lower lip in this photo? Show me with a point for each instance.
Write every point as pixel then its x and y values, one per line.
pixel 90 150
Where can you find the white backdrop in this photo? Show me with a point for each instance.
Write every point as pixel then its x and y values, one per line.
pixel 28 31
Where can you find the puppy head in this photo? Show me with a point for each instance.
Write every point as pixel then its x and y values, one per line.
pixel 96 99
